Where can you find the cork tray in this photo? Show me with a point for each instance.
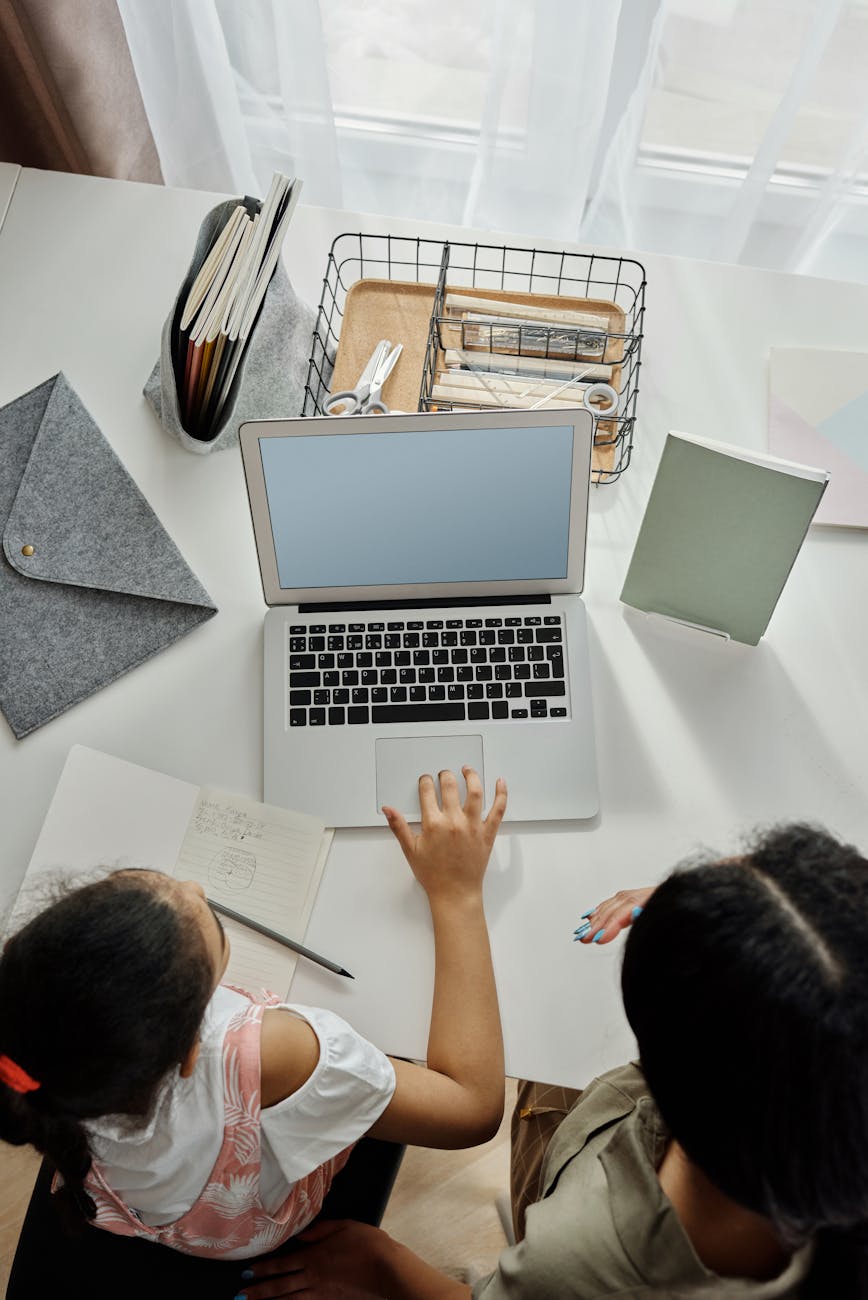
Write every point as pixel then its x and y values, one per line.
pixel 401 312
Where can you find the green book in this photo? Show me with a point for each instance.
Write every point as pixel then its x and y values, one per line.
pixel 721 531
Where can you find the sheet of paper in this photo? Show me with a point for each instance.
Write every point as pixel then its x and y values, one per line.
pixel 263 862
pixel 818 407
pixel 105 814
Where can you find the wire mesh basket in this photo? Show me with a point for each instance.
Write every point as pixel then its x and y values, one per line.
pixel 400 287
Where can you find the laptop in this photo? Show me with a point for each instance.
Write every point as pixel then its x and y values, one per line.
pixel 423 574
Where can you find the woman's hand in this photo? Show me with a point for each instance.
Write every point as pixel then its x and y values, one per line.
pixel 342 1260
pixel 331 1259
pixel 450 855
pixel 603 923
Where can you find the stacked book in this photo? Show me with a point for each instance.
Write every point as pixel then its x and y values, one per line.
pixel 224 302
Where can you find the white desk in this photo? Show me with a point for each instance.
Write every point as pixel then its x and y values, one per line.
pixel 697 740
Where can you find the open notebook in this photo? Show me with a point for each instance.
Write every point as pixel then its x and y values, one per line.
pixel 263 862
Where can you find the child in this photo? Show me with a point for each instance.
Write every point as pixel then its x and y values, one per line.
pixel 191 1114
pixel 732 1159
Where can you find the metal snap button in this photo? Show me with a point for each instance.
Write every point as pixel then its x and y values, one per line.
pixel 27 550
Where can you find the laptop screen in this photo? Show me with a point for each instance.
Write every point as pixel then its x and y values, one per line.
pixel 421 505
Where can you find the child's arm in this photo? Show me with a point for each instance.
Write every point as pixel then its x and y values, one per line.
pixel 458 1099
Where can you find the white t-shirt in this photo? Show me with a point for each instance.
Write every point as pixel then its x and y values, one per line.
pixel 160 1166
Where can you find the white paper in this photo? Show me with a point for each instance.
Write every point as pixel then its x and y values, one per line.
pixel 263 862
pixel 105 814
pixel 818 407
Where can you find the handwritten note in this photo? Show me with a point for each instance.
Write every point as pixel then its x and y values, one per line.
pixel 264 862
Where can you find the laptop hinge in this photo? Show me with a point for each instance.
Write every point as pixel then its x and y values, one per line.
pixel 450 602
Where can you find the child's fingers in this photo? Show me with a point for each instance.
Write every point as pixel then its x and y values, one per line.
pixel 399 828
pixel 473 802
pixel 428 797
pixel 498 807
pixel 449 792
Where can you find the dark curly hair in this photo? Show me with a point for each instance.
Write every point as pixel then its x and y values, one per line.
pixel 746 984
pixel 101 995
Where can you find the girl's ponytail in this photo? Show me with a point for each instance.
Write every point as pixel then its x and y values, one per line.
pixel 62 1138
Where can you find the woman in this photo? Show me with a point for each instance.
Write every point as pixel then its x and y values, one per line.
pixel 733 1159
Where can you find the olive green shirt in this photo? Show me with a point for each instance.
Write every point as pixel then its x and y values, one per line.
pixel 603 1225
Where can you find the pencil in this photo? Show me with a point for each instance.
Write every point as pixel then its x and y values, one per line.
pixel 279 938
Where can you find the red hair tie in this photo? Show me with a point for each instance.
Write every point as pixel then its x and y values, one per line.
pixel 16 1078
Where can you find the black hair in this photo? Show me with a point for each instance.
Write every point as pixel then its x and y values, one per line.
pixel 101 995
pixel 745 982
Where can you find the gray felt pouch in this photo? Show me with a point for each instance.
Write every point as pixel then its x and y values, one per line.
pixel 91 584
pixel 269 382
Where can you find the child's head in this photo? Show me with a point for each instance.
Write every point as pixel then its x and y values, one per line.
pixel 101 995
pixel 746 984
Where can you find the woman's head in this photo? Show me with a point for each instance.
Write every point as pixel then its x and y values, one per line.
pixel 101 995
pixel 746 984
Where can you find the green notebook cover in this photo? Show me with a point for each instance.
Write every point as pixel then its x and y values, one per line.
pixel 719 537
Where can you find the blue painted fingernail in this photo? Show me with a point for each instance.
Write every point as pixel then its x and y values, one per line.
pixel 582 930
pixel 637 911
pixel 598 936
pixel 248 1275
pixel 588 913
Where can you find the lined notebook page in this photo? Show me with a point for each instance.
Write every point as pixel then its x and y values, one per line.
pixel 263 862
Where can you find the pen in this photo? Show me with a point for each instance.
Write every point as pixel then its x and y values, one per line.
pixel 279 938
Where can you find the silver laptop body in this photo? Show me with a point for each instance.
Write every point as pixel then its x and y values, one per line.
pixel 423 575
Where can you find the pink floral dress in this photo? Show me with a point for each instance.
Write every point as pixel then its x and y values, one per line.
pixel 228 1219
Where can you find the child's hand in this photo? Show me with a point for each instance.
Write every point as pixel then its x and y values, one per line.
pixel 605 921
pixel 450 855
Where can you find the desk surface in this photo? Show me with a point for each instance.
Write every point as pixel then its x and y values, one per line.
pixel 697 740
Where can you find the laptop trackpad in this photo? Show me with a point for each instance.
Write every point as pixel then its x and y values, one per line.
pixel 400 763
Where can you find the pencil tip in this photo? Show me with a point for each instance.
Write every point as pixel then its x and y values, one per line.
pixel 347 973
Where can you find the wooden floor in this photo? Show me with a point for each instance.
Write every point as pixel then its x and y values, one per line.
pixel 442 1204
pixel 19 1166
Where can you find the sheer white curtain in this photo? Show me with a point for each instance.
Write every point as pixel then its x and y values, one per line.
pixel 487 113
pixel 754 142
pixel 731 129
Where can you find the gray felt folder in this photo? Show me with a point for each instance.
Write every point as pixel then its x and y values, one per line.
pixel 90 584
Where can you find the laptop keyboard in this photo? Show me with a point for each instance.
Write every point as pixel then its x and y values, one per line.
pixel 431 670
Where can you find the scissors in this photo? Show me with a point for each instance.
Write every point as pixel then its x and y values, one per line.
pixel 364 399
